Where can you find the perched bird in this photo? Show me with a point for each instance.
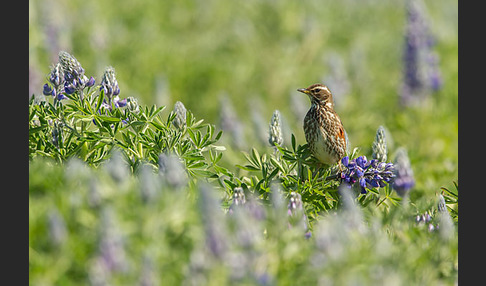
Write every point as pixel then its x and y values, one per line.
pixel 324 131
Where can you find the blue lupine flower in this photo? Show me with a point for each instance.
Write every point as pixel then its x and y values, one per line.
pixel 69 88
pixel 369 174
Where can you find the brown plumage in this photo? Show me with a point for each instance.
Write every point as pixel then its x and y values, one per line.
pixel 323 128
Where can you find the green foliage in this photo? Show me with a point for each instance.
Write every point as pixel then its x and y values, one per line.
pixel 82 128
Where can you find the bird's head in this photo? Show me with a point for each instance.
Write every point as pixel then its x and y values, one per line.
pixel 319 93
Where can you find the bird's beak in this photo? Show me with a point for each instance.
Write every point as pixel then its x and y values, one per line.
pixel 303 90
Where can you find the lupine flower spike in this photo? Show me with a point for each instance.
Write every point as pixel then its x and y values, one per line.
pixel 74 78
pixel 296 211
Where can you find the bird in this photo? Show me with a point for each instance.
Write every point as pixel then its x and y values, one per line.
pixel 323 129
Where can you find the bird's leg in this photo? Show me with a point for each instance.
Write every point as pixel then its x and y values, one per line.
pixel 340 166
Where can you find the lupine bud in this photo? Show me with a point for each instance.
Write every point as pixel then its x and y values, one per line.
pixel 275 129
pixel 180 111
pixel 132 105
pixel 379 145
pixel 109 83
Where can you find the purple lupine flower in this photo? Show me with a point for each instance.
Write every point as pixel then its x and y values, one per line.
pixel 60 96
pixel 296 211
pixel 404 179
pixel 368 174
pixel 230 123
pixel 69 88
pixel 111 245
pixel 213 221
pixel 421 72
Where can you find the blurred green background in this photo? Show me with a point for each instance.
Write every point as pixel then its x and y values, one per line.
pixel 251 56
